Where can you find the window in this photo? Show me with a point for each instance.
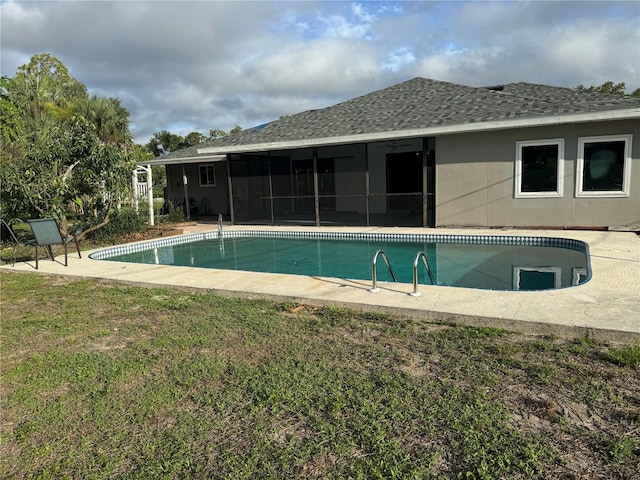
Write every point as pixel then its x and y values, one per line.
pixel 539 168
pixel 604 166
pixel 207 175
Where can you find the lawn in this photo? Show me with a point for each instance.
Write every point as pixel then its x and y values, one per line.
pixel 108 381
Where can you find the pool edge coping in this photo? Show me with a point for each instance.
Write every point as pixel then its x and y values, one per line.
pixel 600 308
pixel 108 253
pixel 513 325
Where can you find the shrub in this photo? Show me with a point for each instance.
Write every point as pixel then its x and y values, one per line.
pixel 175 214
pixel 122 222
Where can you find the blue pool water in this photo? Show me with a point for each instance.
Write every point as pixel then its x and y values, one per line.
pixel 485 262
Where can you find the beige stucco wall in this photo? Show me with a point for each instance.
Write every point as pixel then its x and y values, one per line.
pixel 216 195
pixel 475 181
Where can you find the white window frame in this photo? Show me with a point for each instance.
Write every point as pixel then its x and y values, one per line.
pixel 626 180
pixel 212 165
pixel 559 192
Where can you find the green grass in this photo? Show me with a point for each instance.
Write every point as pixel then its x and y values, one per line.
pixel 628 355
pixel 102 381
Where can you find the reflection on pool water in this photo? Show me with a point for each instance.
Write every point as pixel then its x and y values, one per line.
pixel 472 261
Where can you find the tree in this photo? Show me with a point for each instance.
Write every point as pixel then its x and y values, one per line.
pixel 11 124
pixel 215 133
pixel 165 142
pixel 194 138
pixel 109 117
pixel 64 150
pixel 44 86
pixel 234 130
pixel 609 87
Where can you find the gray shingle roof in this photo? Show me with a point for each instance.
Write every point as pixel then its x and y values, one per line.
pixel 422 103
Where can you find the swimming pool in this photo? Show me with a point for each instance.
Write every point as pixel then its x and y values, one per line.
pixel 471 261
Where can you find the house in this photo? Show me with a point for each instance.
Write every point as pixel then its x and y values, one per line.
pixel 427 153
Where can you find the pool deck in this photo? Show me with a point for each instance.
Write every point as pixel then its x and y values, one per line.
pixel 607 307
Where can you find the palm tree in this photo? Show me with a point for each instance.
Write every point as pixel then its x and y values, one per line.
pixel 110 119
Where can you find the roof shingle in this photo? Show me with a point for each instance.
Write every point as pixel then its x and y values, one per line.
pixel 422 103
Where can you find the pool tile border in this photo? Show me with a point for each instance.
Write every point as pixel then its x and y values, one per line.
pixel 529 241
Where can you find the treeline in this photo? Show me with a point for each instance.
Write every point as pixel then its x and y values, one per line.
pixel 165 142
pixel 610 88
pixel 65 152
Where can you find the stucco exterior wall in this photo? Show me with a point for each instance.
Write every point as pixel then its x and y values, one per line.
pixel 216 196
pixel 475 181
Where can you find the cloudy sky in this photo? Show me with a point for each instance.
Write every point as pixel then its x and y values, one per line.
pixel 197 65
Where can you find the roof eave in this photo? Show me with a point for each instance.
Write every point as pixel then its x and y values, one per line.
pixel 625 114
pixel 184 160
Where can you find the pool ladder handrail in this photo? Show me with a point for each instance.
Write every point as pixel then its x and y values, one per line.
pixel 220 234
pixel 420 255
pixel 374 276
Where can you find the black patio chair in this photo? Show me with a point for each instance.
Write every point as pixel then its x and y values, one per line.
pixel 8 235
pixel 47 233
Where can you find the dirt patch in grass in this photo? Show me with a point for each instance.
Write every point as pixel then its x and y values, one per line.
pixel 570 393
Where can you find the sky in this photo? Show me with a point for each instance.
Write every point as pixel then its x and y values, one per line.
pixel 187 66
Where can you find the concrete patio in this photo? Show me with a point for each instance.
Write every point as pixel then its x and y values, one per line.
pixel 607 307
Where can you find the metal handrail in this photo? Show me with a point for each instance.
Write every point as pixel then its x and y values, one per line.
pixel 220 234
pixel 420 255
pixel 374 276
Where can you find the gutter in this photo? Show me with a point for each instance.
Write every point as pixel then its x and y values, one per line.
pixel 183 160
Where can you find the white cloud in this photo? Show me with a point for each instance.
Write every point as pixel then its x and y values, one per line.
pixel 16 12
pixel 216 64
pixel 340 27
pixel 326 66
pixel 399 58
pixel 597 52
